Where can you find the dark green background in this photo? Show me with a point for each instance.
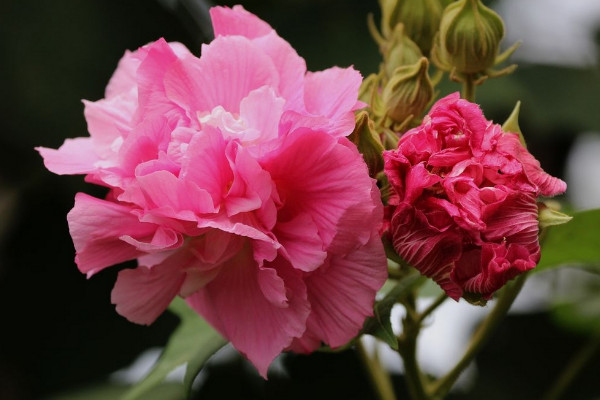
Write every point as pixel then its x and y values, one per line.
pixel 60 331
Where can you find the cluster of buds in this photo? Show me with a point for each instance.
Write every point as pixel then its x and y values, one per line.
pixel 461 37
pixel 419 41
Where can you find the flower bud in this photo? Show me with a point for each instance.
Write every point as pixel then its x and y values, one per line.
pixel 469 37
pixel 421 19
pixel 408 91
pixel 368 143
pixel 399 50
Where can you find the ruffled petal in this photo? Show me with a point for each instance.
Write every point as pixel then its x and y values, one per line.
pixel 142 294
pixel 300 242
pixel 260 326
pixel 230 68
pixel 341 295
pixel 332 93
pixel 426 248
pixel 97 226
pixel 546 183
pixel 318 175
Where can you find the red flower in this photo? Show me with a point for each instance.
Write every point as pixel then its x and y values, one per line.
pixel 463 209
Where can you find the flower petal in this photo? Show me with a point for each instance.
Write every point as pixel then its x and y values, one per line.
pixel 230 68
pixel 341 295
pixel 259 326
pixel 75 156
pixel 142 294
pixel 96 227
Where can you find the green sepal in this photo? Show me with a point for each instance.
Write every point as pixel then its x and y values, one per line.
pixel 550 217
pixel 512 124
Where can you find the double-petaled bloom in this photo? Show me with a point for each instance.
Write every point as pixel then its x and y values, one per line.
pixel 231 182
pixel 463 208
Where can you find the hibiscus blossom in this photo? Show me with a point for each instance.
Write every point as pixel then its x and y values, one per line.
pixel 463 209
pixel 231 182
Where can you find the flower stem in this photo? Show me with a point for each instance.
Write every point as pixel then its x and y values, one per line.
pixel 481 336
pixel 573 367
pixel 432 307
pixel 378 376
pixel 468 92
pixel 407 348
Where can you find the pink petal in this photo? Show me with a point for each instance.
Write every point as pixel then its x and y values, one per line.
pixel 163 189
pixel 163 239
pixel 75 156
pixel 495 264
pixel 290 66
pixel 96 227
pixel 108 120
pixel 123 79
pixel 259 326
pixel 151 75
pixel 144 143
pixel 547 184
pixel 317 175
pixel 355 227
pixel 251 186
pixel 237 21
pixel 230 68
pixel 514 220
pixel 142 294
pixel 425 247
pixel 332 93
pixel 206 164
pixel 261 110
pixel 342 294
pixel 301 243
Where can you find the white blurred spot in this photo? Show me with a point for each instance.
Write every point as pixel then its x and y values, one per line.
pixel 583 171
pixel 554 32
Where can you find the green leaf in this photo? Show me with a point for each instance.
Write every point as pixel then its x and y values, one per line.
pixel 380 325
pixel 193 342
pixel 576 243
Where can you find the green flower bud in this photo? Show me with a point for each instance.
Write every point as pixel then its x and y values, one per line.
pixel 421 19
pixel 408 91
pixel 368 143
pixel 400 50
pixel 469 37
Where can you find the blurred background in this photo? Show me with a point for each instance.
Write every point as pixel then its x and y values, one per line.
pixel 61 335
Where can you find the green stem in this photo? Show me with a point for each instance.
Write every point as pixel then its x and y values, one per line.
pixel 407 348
pixel 441 298
pixel 574 366
pixel 378 376
pixel 468 92
pixel 481 336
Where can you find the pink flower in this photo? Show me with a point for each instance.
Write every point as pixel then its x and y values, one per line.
pixel 231 182
pixel 463 210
